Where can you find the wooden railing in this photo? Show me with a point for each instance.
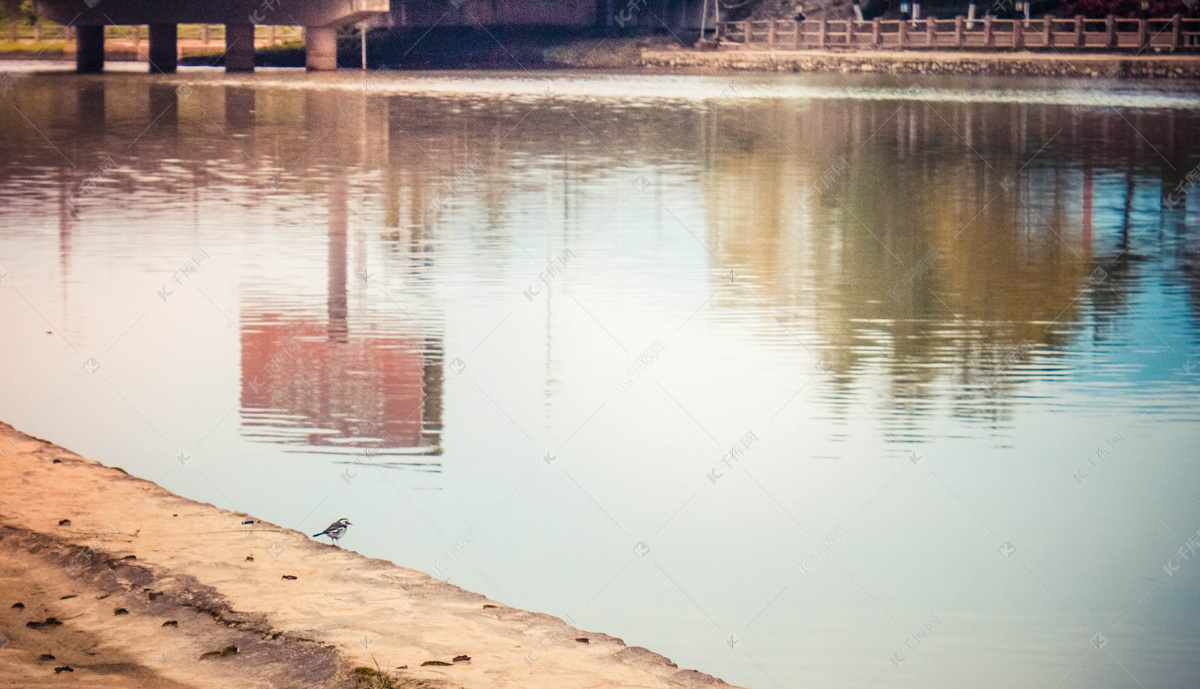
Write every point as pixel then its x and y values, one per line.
pixel 1170 34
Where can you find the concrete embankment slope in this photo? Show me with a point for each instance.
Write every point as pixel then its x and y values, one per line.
pixel 1113 66
pixel 107 580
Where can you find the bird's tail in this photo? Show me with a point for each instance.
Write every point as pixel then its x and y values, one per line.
pixel 318 534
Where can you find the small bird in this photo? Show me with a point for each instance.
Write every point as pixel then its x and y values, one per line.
pixel 335 530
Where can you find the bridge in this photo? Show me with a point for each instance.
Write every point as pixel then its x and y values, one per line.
pixel 320 19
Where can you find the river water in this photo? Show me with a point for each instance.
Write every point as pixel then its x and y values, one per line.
pixel 800 381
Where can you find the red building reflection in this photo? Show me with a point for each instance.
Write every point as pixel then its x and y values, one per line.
pixel 301 386
pixel 317 383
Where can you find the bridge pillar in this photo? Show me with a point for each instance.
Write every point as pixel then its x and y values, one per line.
pixel 320 47
pixel 239 47
pixel 89 49
pixel 164 49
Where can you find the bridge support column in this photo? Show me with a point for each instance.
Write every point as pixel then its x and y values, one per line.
pixel 239 47
pixel 164 49
pixel 89 49
pixel 320 47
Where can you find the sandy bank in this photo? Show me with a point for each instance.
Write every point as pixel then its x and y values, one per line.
pixel 1111 66
pixel 107 580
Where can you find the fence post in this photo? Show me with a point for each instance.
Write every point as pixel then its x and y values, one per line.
pixel 771 35
pixel 849 33
pixel 822 28
pixel 204 34
pixel 876 36
pixel 1079 31
pixel 796 37
pixel 1175 33
pixel 1047 32
pixel 1018 33
pixel 1110 31
pixel 902 34
pixel 930 31
pixel 1143 34
pixel 958 31
pixel 988 37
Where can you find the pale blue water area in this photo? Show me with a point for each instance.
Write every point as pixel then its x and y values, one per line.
pixel 513 325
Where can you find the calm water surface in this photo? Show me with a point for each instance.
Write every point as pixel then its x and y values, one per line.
pixel 801 382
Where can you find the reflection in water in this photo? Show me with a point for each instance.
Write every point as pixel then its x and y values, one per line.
pixel 327 387
pixel 959 243
pixel 931 313
pixel 300 386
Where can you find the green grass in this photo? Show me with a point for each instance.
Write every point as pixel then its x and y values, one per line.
pixel 20 47
pixel 193 32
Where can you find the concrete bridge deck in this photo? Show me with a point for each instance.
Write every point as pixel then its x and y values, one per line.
pixel 320 19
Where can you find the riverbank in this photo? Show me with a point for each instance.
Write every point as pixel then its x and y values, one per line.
pixel 659 54
pixel 504 48
pixel 110 580
pixel 1107 66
